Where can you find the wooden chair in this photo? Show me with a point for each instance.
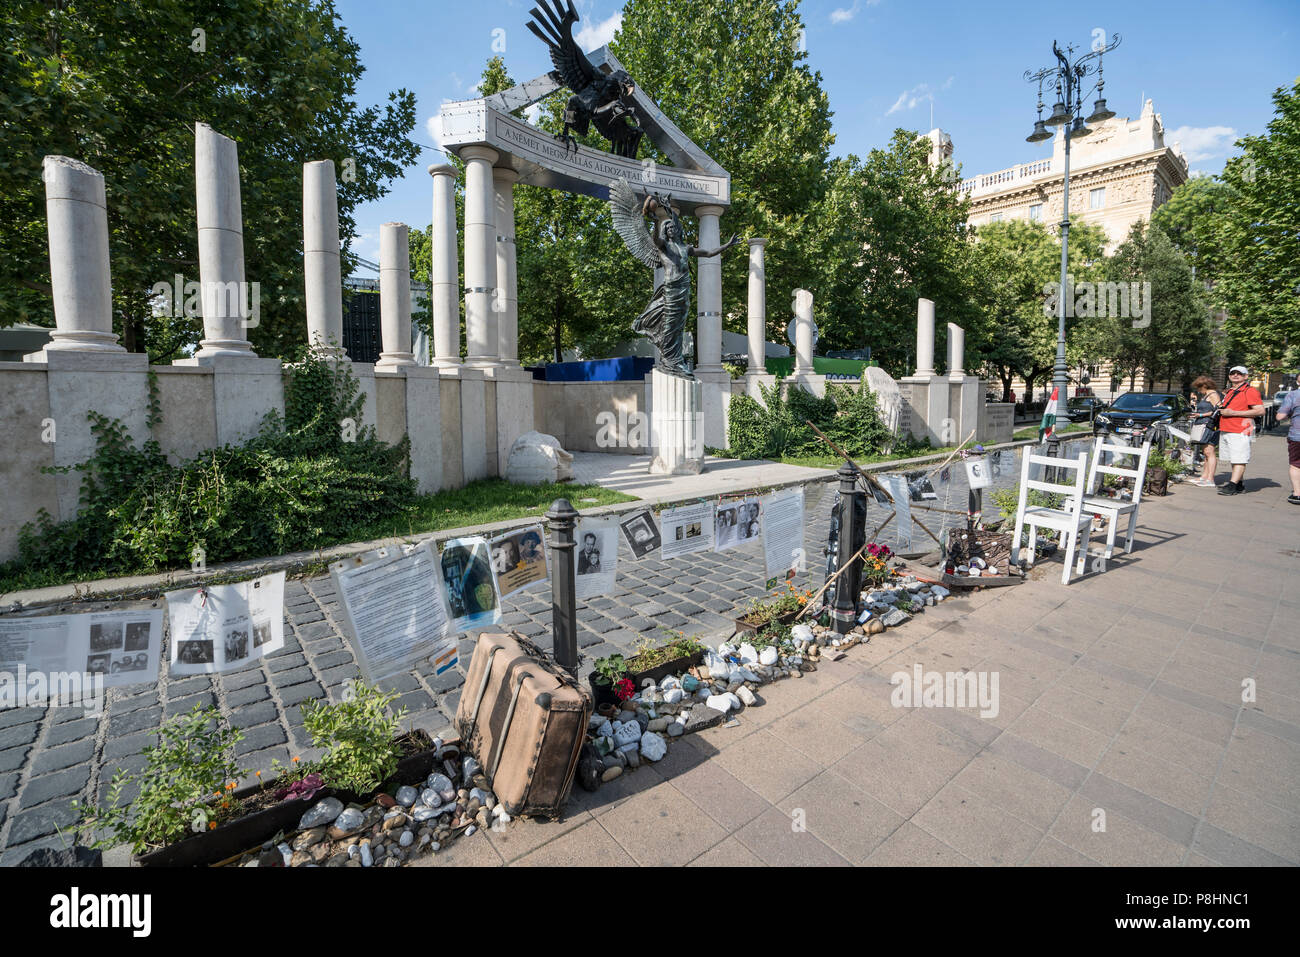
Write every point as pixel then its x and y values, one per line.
pixel 1069 519
pixel 1103 454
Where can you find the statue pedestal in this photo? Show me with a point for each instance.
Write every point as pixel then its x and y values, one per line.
pixel 675 433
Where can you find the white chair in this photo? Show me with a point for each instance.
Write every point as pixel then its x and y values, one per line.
pixel 1103 457
pixel 1069 519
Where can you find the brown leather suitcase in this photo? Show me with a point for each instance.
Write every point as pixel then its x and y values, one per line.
pixel 524 719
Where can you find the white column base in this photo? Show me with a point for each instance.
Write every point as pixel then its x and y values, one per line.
pixel 808 381
pixel 81 340
pixel 238 348
pixel 395 360
pixel 675 425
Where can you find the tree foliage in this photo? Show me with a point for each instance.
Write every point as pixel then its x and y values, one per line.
pixel 120 84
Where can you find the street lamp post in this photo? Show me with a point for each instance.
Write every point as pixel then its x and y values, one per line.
pixel 1067 112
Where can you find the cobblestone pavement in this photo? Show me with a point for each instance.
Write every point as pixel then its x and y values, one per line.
pixel 50 756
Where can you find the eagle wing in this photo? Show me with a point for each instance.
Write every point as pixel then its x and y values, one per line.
pixel 630 224
pixel 555 29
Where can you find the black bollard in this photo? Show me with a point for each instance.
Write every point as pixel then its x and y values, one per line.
pixel 563 518
pixel 845 610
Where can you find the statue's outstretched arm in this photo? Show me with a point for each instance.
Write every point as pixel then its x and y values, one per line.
pixel 710 253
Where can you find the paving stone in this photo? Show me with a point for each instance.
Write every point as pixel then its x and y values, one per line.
pixel 448 704
pixel 56 759
pixel 13 758
pixel 335 677
pixel 308 617
pixel 8 788
pixel 588 638
pixel 316 629
pixel 296 676
pixel 263 736
pixel 413 701
pixel 129 744
pixel 205 699
pixel 531 630
pixel 51 786
pixel 301 692
pixel 16 716
pixel 71 731
pixel 30 825
pixel 447 681
pixel 400 683
pixel 129 723
pixel 19 735
pixel 249 695
pixel 283 666
pixel 243 679
pixel 63 715
pixel 179 689
pixel 325 645
pixel 250 715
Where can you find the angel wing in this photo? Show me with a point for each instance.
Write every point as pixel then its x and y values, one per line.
pixel 556 31
pixel 630 224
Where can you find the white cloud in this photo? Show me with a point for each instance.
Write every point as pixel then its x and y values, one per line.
pixel 845 14
pixel 533 113
pixel 594 36
pixel 1202 142
pixel 909 99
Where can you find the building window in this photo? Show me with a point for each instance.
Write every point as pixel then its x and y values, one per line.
pixel 995 218
pixel 1036 213
pixel 1097 198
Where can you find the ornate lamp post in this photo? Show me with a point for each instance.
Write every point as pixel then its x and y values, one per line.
pixel 1067 112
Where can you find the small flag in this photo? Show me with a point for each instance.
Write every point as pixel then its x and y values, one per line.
pixel 1048 428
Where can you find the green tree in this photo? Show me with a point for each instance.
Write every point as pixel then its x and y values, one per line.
pixel 1193 217
pixel 1259 281
pixel 119 85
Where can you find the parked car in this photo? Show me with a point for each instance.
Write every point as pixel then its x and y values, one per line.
pixel 1082 407
pixel 1134 413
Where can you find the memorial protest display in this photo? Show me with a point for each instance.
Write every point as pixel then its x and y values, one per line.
pixel 225 626
pixel 782 523
pixel 642 534
pixel 470 583
pixel 519 559
pixel 395 609
pixel 736 523
pixel 686 529
pixel 118 648
pixel 596 556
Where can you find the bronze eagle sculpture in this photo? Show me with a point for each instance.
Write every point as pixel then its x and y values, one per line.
pixel 605 100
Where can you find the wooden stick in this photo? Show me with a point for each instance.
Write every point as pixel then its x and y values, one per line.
pixel 927 531
pixel 831 579
pixel 871 482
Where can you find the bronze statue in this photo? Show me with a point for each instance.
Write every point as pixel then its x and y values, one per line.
pixel 663 321
pixel 606 100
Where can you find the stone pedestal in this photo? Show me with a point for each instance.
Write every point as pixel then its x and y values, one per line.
pixel 221 246
pixel 675 405
pixel 927 399
pixel 444 282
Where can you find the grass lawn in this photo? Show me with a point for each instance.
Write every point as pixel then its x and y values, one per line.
pixel 487 500
pixel 833 461
pixel 1031 432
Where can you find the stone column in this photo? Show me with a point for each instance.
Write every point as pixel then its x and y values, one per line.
pixel 221 245
pixel 803 332
pixel 395 296
pixel 506 302
pixel 76 212
pixel 480 257
pixel 322 270
pixel 708 320
pixel 444 284
pixel 924 337
pixel 956 351
pixel 757 307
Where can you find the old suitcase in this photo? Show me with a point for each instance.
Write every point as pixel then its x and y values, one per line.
pixel 524 718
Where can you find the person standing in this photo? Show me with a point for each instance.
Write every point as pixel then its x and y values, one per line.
pixel 1237 414
pixel 1205 438
pixel 1287 411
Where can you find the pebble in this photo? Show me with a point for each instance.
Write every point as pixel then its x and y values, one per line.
pixel 324 812
pixel 309 837
pixel 719 702
pixel 441 784
pixel 611 773
pixel 768 655
pixel 406 795
pixel 673 695
pixel 349 821
pixel 801 633
pixel 367 859
pixel 653 747
pixel 657 724
pixel 746 696
pixel 676 728
pixel 393 821
pixel 875 626
pixel 425 813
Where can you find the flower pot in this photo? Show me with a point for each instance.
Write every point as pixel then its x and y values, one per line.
pixel 250 830
pixel 601 692
pixel 785 618
pixel 659 672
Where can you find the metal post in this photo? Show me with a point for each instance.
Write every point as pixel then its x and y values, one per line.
pixel 845 610
pixel 563 518
pixel 1060 375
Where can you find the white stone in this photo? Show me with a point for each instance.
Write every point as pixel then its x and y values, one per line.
pixel 676 438
pixel 669 683
pixel 889 398
pixel 406 839
pixel 323 812
pixel 480 256
pixel 768 655
pixel 746 696
pixel 653 747
pixel 748 654
pixel 537 458
pixel 801 633
pixel 673 696
pixel 627 733
pixel 719 702
pixel 444 277
pixel 221 245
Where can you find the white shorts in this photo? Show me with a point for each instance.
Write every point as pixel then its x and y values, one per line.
pixel 1234 448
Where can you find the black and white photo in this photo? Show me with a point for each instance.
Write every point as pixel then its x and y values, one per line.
pixel 642 534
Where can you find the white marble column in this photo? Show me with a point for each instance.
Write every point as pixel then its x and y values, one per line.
pixel 506 302
pixel 444 282
pixel 322 269
pixel 924 337
pixel 76 212
pixel 956 351
pixel 757 307
pixel 803 332
pixel 395 296
pixel 480 257
pixel 221 246
pixel 708 319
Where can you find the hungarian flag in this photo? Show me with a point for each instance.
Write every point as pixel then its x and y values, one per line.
pixel 1048 427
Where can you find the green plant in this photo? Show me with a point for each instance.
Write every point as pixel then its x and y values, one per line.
pixel 1172 465
pixel 1008 500
pixel 610 668
pixel 185 786
pixel 357 735
pixel 778 426
pixel 649 655
pixel 783 601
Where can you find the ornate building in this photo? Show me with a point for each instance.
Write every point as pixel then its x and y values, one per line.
pixel 1118 175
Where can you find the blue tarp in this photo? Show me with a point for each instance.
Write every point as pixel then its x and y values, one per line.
pixel 623 369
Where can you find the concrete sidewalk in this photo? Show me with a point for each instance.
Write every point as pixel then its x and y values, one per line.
pixel 1122 736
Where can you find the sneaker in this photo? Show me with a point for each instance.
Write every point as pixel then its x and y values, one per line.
pixel 1204 483
pixel 1293 499
pixel 1230 488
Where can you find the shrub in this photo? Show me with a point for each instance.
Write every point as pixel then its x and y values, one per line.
pixel 779 425
pixel 357 735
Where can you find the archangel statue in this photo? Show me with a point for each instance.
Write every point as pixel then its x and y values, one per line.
pixel 663 321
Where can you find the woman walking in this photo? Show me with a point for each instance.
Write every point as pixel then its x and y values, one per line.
pixel 1203 436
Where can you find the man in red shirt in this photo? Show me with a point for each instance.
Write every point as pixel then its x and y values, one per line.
pixel 1241 406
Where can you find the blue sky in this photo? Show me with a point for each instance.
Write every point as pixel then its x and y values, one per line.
pixel 1210 67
